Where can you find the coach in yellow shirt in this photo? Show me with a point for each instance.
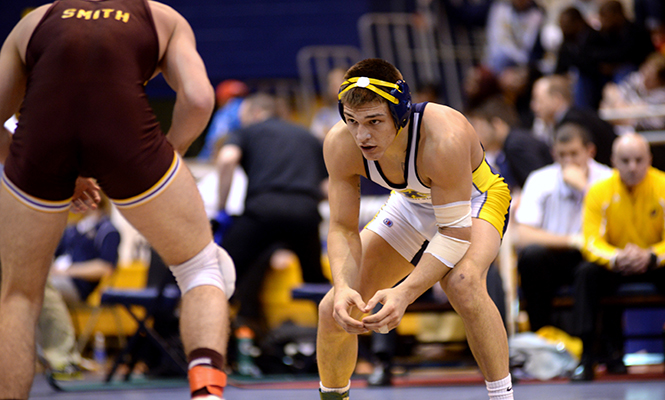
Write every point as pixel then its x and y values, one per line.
pixel 624 232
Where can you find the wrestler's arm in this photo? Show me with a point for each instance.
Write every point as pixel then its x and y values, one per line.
pixel 12 91
pixel 86 195
pixel 227 161
pixel 14 74
pixel 92 270
pixel 344 164
pixel 447 162
pixel 185 72
pixel 448 165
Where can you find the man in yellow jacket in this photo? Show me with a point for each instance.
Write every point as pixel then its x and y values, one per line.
pixel 624 232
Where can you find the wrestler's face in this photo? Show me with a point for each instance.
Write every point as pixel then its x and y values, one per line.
pixel 372 127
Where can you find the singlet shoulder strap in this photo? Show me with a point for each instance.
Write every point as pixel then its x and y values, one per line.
pixel 416 122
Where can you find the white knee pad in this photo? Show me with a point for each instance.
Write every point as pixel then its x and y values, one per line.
pixel 212 266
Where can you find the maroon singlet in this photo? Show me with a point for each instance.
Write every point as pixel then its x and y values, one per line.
pixel 85 110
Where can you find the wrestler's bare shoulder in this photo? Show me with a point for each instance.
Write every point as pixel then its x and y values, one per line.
pixel 161 10
pixel 341 151
pixel 339 137
pixel 166 19
pixel 34 16
pixel 23 30
pixel 446 131
pixel 445 125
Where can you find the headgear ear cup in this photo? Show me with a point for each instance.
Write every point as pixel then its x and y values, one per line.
pixel 340 108
pixel 402 109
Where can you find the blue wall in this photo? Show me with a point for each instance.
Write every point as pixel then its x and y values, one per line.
pixel 246 39
pixel 260 38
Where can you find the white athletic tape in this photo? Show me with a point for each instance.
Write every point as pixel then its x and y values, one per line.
pixel 384 329
pixel 453 215
pixel 446 249
pixel 212 266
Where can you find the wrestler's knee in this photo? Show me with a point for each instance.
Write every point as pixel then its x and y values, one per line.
pixel 464 287
pixel 327 323
pixel 29 290
pixel 24 302
pixel 212 266
pixel 326 309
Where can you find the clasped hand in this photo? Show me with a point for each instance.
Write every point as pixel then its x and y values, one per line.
pixel 86 195
pixel 394 306
pixel 632 260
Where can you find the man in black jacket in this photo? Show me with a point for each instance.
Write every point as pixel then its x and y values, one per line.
pixel 286 178
pixel 514 151
pixel 552 103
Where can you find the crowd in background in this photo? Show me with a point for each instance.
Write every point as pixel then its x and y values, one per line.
pixel 534 100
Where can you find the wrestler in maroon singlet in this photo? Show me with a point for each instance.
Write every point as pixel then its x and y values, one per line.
pixel 93 120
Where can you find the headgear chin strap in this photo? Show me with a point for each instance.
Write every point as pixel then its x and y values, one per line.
pixel 399 96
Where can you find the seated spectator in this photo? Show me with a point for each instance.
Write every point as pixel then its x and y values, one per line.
pixel 513 50
pixel 328 114
pixel 513 84
pixel 229 95
pixel 624 238
pixel 56 337
pixel 512 34
pixel 479 85
pixel 645 87
pixel 88 251
pixel 591 11
pixel 651 15
pixel 611 53
pixel 426 92
pixel 552 104
pixel 285 177
pixel 511 150
pixel 549 221
pixel 516 84
pixel 575 32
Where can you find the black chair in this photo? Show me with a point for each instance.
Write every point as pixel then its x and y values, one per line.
pixel 160 297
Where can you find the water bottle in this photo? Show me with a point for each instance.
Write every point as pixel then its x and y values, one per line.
pixel 245 346
pixel 99 349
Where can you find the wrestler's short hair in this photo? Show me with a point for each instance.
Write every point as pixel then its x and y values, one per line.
pixel 374 79
pixel 372 68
